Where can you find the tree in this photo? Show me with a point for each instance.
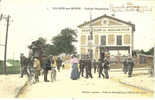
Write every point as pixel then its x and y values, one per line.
pixel 51 50
pixel 149 52
pixel 42 40
pixel 63 41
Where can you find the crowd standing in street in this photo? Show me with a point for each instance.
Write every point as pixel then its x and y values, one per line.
pixel 81 67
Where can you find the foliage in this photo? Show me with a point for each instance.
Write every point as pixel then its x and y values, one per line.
pixel 51 50
pixel 149 52
pixel 63 41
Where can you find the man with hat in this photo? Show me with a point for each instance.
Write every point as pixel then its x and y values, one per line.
pixel 130 65
pixel 106 67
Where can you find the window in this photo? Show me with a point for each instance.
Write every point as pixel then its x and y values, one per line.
pixel 126 39
pixel 83 50
pixel 119 40
pixel 83 39
pixel 103 40
pixel 111 39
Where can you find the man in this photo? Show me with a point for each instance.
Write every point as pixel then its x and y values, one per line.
pixel 95 65
pixel 81 62
pixel 53 68
pixel 88 68
pixel 106 68
pixel 130 66
pixel 100 68
pixel 47 67
pixel 102 55
pixel 23 65
pixel 37 68
pixel 125 66
pixel 58 63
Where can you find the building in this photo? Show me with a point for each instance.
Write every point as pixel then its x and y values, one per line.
pixel 109 34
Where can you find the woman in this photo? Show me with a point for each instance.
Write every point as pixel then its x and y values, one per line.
pixel 75 73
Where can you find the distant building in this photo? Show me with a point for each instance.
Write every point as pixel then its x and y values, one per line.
pixel 109 34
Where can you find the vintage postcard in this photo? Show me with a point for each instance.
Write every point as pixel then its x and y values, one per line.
pixel 77 49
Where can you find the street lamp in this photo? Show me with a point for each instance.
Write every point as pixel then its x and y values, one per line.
pixel 91 37
pixel 7 18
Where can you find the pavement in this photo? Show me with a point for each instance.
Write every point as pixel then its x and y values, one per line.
pixel 10 85
pixel 140 79
pixel 118 86
pixel 141 85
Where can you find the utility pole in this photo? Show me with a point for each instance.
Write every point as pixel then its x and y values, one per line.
pixel 6 40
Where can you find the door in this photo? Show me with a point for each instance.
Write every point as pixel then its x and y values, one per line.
pixel 103 40
pixel 119 40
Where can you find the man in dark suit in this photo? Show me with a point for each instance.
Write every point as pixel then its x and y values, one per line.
pixel 58 63
pixel 100 68
pixel 102 55
pixel 106 67
pixel 47 67
pixel 82 64
pixel 23 65
pixel 130 66
pixel 95 65
pixel 88 68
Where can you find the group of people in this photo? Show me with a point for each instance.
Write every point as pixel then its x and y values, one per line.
pixel 38 66
pixel 86 65
pixel 128 65
pixel 102 66
pixel 79 67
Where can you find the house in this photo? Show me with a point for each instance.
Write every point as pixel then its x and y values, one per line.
pixel 109 34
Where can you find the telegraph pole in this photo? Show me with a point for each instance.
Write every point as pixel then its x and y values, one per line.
pixel 6 42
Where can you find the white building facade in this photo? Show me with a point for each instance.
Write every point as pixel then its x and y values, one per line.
pixel 109 34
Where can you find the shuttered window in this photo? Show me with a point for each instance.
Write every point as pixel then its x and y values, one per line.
pixel 111 39
pixel 83 39
pixel 126 39
pixel 83 50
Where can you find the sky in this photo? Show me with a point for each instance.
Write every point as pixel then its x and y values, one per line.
pixel 31 19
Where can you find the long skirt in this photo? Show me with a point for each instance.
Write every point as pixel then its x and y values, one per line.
pixel 75 73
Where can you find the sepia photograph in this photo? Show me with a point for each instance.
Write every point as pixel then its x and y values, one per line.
pixel 77 49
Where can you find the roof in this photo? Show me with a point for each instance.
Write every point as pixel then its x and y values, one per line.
pixel 110 17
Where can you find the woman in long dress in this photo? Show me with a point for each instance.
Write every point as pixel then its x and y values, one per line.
pixel 75 72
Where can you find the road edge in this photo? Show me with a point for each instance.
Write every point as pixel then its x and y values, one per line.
pixel 21 90
pixel 141 88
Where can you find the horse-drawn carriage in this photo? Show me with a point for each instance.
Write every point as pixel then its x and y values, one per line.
pixel 36 52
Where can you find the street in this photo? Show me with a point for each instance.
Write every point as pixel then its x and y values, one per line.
pixel 64 87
